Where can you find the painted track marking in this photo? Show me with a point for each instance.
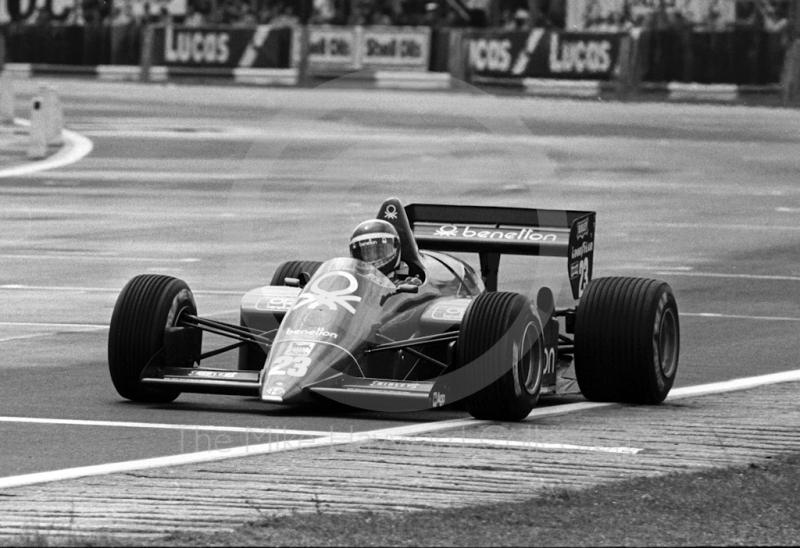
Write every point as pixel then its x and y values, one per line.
pixel 97 258
pixel 515 444
pixel 339 439
pixel 107 289
pixel 166 426
pixel 740 317
pixel 723 275
pixel 57 325
pixel 76 148
pixel 23 337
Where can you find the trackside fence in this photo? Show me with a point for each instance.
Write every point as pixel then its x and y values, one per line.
pixel 623 62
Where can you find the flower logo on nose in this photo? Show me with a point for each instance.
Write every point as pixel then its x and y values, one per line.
pixel 314 296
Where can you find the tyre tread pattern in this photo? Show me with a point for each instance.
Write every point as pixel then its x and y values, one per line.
pixel 485 330
pixel 614 326
pixel 136 335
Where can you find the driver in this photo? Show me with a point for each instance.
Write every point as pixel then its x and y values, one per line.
pixel 376 242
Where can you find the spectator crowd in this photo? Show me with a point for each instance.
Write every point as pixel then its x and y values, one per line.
pixel 599 15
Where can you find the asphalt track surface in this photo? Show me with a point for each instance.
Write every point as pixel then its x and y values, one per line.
pixel 218 185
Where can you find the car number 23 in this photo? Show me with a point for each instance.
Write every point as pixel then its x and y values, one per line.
pixel 289 365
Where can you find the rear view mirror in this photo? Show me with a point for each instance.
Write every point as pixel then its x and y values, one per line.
pixel 407 288
pixel 301 281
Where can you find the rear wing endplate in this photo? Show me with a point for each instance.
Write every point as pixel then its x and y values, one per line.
pixel 494 231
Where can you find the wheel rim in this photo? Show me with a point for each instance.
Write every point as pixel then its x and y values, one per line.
pixel 668 343
pixel 530 365
pixel 184 298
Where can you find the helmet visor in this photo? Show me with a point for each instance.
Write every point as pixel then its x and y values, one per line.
pixel 375 249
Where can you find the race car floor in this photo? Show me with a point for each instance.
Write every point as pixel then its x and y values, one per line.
pixel 471 464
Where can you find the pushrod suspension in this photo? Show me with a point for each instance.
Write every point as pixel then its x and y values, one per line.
pixel 225 329
pixel 411 351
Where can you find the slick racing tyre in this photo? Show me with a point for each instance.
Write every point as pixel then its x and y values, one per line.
pixel 292 269
pixel 627 340
pixel 145 308
pixel 501 344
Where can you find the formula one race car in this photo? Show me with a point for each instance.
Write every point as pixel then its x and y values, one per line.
pixel 341 330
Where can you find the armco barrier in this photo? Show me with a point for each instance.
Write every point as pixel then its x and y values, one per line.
pixel 262 46
pixel 739 56
pixel 251 76
pixel 335 50
pixel 540 53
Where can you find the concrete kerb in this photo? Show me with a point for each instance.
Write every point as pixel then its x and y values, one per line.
pixel 74 148
pixel 493 462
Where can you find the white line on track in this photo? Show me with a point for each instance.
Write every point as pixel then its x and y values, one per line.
pixel 146 176
pixel 740 317
pixel 55 325
pixel 712 226
pixel 166 426
pixel 723 275
pixel 105 289
pixel 89 326
pixel 76 147
pixel 515 443
pixel 99 258
pixel 22 337
pixel 224 454
pixel 358 437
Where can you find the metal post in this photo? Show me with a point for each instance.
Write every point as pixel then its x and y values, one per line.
pixel 306 8
pixel 146 59
pixel 302 66
pixel 790 80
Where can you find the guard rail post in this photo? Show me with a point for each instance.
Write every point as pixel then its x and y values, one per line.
pixel 628 73
pixel 146 60
pixel 456 61
pixel 790 79
pixel 791 74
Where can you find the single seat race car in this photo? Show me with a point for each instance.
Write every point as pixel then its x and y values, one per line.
pixel 341 330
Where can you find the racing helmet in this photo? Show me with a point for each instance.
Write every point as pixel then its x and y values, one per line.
pixel 376 242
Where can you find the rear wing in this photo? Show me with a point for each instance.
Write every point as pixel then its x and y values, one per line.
pixel 494 231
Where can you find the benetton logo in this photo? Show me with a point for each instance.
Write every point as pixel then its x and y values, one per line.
pixel 496 234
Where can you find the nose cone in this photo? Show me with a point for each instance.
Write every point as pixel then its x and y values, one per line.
pixel 294 365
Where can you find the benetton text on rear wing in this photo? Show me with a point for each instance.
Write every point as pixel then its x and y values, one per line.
pixel 493 231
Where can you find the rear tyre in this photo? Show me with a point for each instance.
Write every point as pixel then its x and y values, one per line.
pixel 146 307
pixel 292 269
pixel 627 340
pixel 500 341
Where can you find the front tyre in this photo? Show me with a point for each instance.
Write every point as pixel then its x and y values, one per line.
pixel 146 307
pixel 627 340
pixel 500 342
